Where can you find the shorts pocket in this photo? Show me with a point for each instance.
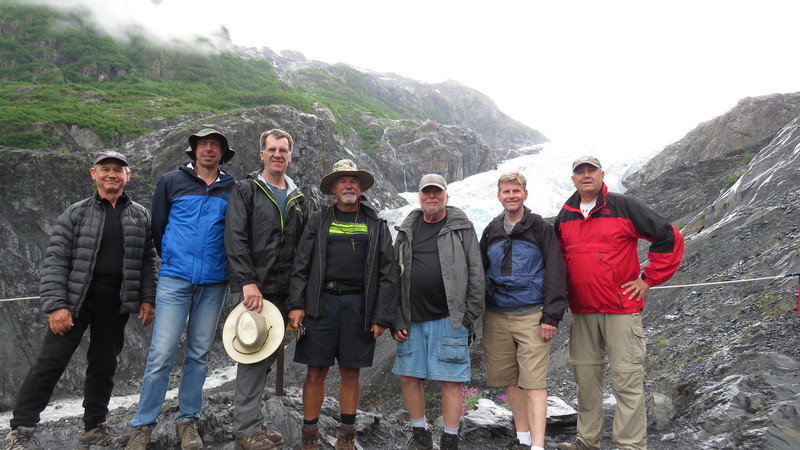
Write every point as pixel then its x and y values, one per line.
pixel 454 349
pixel 404 349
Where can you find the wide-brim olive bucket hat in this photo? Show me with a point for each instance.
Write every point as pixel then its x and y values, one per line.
pixel 209 129
pixel 346 168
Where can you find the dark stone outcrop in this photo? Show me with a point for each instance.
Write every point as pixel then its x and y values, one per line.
pixel 40 184
pixel 725 358
pixel 723 362
pixel 449 102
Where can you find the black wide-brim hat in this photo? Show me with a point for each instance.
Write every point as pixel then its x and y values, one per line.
pixel 209 129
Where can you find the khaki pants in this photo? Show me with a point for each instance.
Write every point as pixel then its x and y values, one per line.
pixel 621 336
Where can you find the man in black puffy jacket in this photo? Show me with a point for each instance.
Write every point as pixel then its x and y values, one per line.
pixel 101 265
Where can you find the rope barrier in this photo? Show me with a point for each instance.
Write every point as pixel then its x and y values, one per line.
pixel 2 300
pixel 674 286
pixel 713 283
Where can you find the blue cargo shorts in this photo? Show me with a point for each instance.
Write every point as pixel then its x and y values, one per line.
pixel 434 351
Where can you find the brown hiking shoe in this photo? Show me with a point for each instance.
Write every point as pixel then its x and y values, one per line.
pixel 272 435
pixel 347 438
pixel 310 438
pixel 577 445
pixel 256 441
pixel 187 433
pixel 101 435
pixel 21 438
pixel 422 439
pixel 139 438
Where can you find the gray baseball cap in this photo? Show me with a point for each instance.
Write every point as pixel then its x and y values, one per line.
pixel 591 160
pixel 110 154
pixel 432 179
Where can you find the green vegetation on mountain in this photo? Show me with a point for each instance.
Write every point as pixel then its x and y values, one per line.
pixel 57 68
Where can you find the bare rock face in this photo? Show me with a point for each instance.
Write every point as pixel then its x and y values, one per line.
pixel 745 128
pixel 725 357
pixel 40 184
pixel 722 363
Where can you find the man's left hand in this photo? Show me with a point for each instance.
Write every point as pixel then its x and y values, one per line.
pixel 636 288
pixel 377 330
pixel 147 313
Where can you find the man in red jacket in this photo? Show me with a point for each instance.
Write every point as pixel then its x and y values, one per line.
pixel 599 232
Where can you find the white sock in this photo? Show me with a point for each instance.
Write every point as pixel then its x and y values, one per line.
pixel 419 423
pixel 533 447
pixel 451 430
pixel 524 438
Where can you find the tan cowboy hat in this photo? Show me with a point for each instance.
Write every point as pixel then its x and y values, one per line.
pixel 250 337
pixel 346 168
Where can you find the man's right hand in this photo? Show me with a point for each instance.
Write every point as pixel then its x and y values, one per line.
pixel 252 298
pixel 296 318
pixel 60 321
pixel 400 335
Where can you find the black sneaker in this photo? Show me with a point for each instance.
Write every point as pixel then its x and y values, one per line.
pixel 448 442
pixel 515 445
pixel 422 439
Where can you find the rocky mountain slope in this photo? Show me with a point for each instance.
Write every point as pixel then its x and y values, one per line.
pixel 61 70
pixel 449 102
pixel 723 360
pixel 40 184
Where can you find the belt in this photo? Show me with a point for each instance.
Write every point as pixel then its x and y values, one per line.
pixel 336 288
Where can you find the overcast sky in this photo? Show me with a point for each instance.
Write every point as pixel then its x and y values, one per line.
pixel 632 75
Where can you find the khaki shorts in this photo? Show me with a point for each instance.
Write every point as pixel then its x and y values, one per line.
pixel 514 351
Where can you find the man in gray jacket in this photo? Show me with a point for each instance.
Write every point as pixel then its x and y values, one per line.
pixel 441 296
pixel 100 266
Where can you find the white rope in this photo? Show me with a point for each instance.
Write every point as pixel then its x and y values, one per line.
pixel 724 282
pixel 18 299
pixel 713 283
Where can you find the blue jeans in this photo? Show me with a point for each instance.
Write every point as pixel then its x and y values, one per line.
pixel 176 301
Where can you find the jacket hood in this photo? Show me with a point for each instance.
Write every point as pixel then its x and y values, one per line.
pixel 575 199
pixel 189 167
pixel 529 219
pixel 290 185
pixel 456 220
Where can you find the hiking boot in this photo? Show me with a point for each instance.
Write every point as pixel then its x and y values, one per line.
pixel 515 445
pixel 310 438
pixel 139 438
pixel 347 438
pixel 101 435
pixel 187 433
pixel 20 438
pixel 422 439
pixel 256 441
pixel 577 445
pixel 272 435
pixel 448 442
